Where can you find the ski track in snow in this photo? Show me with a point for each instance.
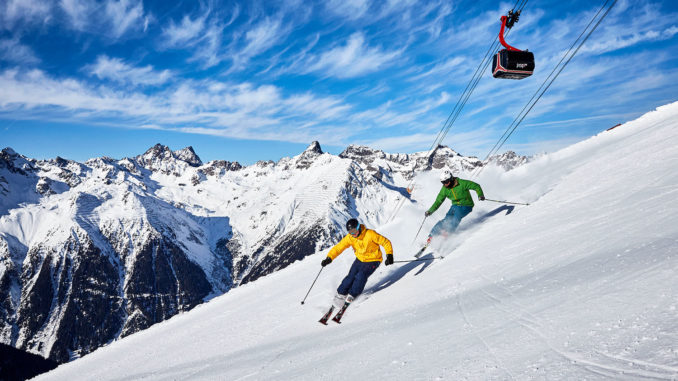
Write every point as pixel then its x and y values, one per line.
pixel 471 328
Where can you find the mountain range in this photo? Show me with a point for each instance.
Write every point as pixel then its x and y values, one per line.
pixel 92 252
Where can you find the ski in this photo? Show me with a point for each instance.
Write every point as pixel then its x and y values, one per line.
pixel 337 317
pixel 421 251
pixel 326 317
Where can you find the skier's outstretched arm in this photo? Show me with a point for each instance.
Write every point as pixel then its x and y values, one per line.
pixel 339 248
pixel 436 204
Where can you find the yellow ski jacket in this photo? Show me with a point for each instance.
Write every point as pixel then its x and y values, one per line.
pixel 366 246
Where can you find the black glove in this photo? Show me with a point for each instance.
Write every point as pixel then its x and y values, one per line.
pixel 326 261
pixel 389 259
pixel 427 213
pixel 482 198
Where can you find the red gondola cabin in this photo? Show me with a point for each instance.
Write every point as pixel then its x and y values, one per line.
pixel 511 63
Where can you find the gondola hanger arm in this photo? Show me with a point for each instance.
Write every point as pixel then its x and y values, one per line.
pixel 501 35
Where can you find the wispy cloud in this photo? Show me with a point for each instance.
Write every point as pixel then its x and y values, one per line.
pixel 260 38
pixel 79 12
pixel 392 114
pixel 237 110
pixel 623 41
pixel 13 51
pixel 353 59
pixel 121 17
pixel 126 15
pixel 263 36
pixel 114 69
pixel 348 9
pixel 441 69
pixel 187 33
pixel 14 12
pixel 202 35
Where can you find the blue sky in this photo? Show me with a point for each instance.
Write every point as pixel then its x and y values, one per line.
pixel 259 80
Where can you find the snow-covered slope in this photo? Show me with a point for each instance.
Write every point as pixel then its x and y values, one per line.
pixel 123 244
pixel 578 285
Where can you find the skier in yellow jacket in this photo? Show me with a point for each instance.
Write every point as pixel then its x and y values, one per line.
pixel 365 243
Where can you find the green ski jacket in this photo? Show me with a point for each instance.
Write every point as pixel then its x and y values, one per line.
pixel 459 194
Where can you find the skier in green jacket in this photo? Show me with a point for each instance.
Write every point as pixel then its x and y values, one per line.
pixel 457 190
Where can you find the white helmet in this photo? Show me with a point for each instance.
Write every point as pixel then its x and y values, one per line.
pixel 446 175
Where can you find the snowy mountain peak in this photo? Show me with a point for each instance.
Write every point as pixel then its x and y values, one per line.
pixel 442 155
pixel 59 162
pixel 314 148
pixel 508 160
pixel 359 153
pixel 15 162
pixel 307 158
pixel 158 151
pixel 8 151
pixel 445 150
pixel 219 167
pixel 188 155
pixel 162 159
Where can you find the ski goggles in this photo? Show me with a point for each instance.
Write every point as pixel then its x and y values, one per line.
pixel 354 232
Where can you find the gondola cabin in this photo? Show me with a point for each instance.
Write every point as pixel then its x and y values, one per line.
pixel 511 63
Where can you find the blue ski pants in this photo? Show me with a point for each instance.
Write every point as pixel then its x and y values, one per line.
pixel 451 221
pixel 354 282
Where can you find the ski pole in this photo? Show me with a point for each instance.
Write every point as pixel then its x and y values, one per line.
pixel 421 259
pixel 309 290
pixel 420 226
pixel 506 202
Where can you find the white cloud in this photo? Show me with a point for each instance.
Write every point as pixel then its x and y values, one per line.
pixel 116 70
pixel 12 50
pixel 623 41
pixel 202 35
pixel 351 60
pixel 440 70
pixel 115 18
pixel 322 108
pixel 36 89
pixel 13 12
pixel 78 12
pixel 349 9
pixel 240 110
pixel 255 41
pixel 185 34
pixel 263 36
pixel 125 15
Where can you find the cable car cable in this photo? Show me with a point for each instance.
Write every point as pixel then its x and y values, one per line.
pixel 516 122
pixel 466 94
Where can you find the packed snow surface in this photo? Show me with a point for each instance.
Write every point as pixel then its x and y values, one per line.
pixel 580 284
